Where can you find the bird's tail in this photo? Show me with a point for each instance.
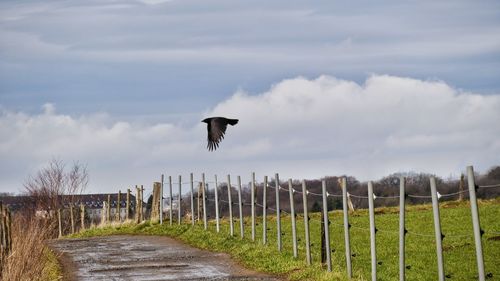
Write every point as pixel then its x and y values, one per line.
pixel 232 122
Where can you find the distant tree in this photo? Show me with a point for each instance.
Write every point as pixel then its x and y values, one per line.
pixel 316 207
pixel 494 173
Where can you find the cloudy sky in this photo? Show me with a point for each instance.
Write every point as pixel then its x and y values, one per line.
pixel 320 88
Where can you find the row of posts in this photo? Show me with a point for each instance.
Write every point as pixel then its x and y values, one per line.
pixel 345 206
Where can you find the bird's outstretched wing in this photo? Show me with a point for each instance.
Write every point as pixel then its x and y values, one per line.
pixel 216 130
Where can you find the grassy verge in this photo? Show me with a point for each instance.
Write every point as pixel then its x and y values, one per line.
pixel 458 244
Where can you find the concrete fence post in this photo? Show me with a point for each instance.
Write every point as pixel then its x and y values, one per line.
pixel 252 202
pixel 402 228
pixel 82 216
pixel 306 223
pixel 72 218
pixel 347 240
pixel 179 201
pixel 437 229
pixel 192 198
pixel 240 205
pixel 59 222
pixel 475 222
pixel 230 202
pixel 161 198
pixel 216 193
pixel 204 190
pixel 373 231
pixel 264 212
pixel 170 201
pixel 278 212
pixel 326 222
pixel 292 217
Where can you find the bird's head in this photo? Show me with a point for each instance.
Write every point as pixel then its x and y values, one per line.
pixel 206 120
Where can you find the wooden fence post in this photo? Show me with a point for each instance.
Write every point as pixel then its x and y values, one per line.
pixel 402 228
pixel 347 226
pixel 119 206
pixel 161 198
pixel 138 205
pixel 127 212
pixel 475 222
pixel 326 222
pixel 204 186
pixel 179 209
pixel 155 204
pixel 82 216
pixel 437 229
pixel 192 198
pixel 278 212
pixel 240 205
pixel 230 202
pixel 252 203
pixel 72 218
pixel 142 202
pixel 306 223
pixel 217 218
pixel 373 231
pixel 292 217
pixel 108 209
pixel 264 212
pixel 59 222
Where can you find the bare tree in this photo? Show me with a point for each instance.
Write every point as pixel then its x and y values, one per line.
pixel 49 185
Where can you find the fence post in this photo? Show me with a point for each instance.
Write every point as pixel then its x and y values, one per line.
pixel 127 212
pixel 461 187
pixel 264 212
pixel 326 222
pixel 475 222
pixel 240 205
pixel 179 209
pixel 192 198
pixel 437 229
pixel 278 212
pixel 252 207
pixel 138 205
pixel 292 216
pixel 346 228
pixel 82 217
pixel 373 231
pixel 108 209
pixel 170 214
pixel 59 222
pixel 119 205
pixel 306 223
pixel 142 202
pixel 230 202
pixel 72 218
pixel 161 198
pixel 204 190
pixel 217 218
pixel 402 228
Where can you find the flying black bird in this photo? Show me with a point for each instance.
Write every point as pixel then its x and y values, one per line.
pixel 216 127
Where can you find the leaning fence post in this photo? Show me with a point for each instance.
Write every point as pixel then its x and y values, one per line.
pixel 59 222
pixel 230 202
pixel 204 187
pixel 179 209
pixel 437 229
pixel 292 216
pixel 161 198
pixel 240 205
pixel 373 231
pixel 137 205
pixel 216 192
pixel 402 229
pixel 170 215
pixel 346 228
pixel 252 207
pixel 264 212
pixel 327 227
pixel 306 223
pixel 475 222
pixel 192 199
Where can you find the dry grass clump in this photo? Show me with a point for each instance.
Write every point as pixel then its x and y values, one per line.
pixel 30 259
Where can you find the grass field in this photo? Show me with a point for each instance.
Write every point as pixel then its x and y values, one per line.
pixel 458 244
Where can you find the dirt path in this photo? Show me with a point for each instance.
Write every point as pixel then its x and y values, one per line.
pixel 145 258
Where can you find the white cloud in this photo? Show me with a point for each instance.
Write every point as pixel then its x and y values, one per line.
pixel 301 128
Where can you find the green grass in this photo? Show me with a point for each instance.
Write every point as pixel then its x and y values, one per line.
pixel 458 245
pixel 52 270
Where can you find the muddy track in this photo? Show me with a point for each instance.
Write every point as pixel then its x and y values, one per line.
pixel 138 258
